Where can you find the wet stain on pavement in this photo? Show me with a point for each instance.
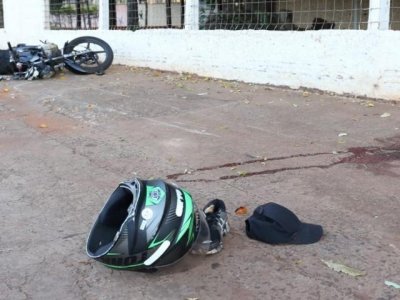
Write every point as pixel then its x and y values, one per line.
pixel 215 265
pixel 374 159
pixel 365 155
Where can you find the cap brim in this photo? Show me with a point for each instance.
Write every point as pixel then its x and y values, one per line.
pixel 308 234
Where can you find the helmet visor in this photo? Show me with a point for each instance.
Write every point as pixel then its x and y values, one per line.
pixel 202 243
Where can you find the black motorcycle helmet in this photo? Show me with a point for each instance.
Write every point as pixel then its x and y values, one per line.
pixel 145 224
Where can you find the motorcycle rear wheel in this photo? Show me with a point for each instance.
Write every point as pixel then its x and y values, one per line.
pixel 97 60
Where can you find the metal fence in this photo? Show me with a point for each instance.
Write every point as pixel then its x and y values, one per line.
pixel 142 14
pixel 74 14
pixel 283 15
pixel 395 15
pixel 1 14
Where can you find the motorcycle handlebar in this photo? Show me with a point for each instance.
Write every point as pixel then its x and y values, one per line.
pixel 11 50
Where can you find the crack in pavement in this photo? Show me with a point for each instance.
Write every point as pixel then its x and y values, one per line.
pixel 359 155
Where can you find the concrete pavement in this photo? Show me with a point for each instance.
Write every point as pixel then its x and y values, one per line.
pixel 67 142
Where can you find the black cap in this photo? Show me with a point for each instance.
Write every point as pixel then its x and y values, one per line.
pixel 274 224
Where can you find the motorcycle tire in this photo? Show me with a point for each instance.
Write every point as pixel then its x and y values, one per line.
pixel 97 60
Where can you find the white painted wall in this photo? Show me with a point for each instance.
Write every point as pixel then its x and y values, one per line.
pixel 365 63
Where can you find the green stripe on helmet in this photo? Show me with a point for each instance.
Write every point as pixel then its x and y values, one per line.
pixel 122 267
pixel 113 254
pixel 156 243
pixel 188 218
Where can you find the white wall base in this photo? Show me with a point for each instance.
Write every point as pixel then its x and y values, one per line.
pixel 358 62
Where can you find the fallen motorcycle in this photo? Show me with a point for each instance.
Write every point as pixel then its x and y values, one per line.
pixel 83 55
